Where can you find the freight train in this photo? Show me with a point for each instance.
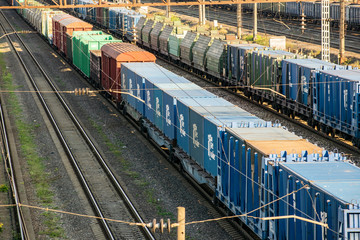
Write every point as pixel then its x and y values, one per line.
pixel 291 83
pixel 280 185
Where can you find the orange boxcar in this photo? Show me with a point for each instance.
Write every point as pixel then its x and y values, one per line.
pixel 112 55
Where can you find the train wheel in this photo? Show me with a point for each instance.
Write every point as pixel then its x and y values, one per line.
pixel 292 114
pixel 332 132
pixel 215 200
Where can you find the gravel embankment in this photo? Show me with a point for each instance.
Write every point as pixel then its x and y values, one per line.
pixel 153 183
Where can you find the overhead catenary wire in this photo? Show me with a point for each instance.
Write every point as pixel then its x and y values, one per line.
pixel 240 172
pixel 175 224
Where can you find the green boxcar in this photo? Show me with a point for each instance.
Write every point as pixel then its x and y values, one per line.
pixel 139 27
pixel 265 68
pixel 83 45
pixel 164 39
pixel 215 58
pixel 154 35
pixel 145 33
pixel 199 51
pixel 186 46
pixel 75 46
pixel 174 46
pixel 69 46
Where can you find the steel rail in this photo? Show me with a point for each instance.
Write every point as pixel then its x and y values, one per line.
pixel 23 231
pixel 90 143
pixel 62 139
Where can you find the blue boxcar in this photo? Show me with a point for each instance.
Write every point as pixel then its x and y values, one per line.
pixel 132 19
pixel 170 97
pixel 237 55
pixel 335 99
pixel 153 76
pixel 330 197
pixel 205 123
pixel 297 77
pixel 114 18
pixel 183 106
pixel 244 182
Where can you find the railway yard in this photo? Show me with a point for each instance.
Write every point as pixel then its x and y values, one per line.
pixel 97 144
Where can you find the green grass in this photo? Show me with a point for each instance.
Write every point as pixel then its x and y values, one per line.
pixel 29 151
pixel 4 188
pixel 262 40
pixel 126 168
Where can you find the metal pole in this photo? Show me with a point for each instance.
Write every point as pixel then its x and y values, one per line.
pixel 168 9
pixel 181 222
pixel 342 32
pixel 203 14
pixel 255 22
pixel 200 15
pixel 239 20
pixel 325 30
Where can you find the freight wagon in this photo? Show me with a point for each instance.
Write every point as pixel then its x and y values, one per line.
pixel 112 56
pixel 257 169
pixel 263 74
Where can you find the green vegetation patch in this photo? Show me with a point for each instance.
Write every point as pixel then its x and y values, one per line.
pixel 4 188
pixel 29 150
pixel 126 168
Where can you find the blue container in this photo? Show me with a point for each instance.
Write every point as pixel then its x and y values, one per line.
pixel 132 19
pixel 329 195
pixel 237 56
pixel 215 123
pixel 354 15
pixel 292 8
pixel 335 97
pixel 186 90
pixel 153 95
pixel 138 81
pixel 243 160
pixel 183 105
pixel 297 77
pixel 114 18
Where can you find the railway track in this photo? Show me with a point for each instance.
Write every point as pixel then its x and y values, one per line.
pixel 9 165
pixel 107 196
pixel 280 28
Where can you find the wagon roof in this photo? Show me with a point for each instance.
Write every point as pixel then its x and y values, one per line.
pixel 61 17
pixel 340 179
pixel 75 22
pixel 126 52
pixel 274 140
